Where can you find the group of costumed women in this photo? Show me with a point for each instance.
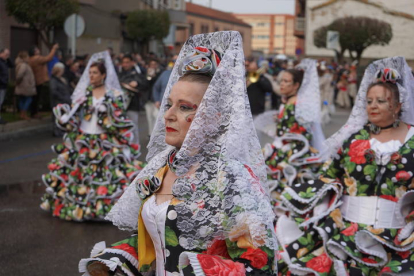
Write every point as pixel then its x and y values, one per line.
pixel 210 201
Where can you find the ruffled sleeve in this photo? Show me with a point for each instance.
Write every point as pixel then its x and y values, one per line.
pixel 67 117
pixel 112 117
pixel 319 196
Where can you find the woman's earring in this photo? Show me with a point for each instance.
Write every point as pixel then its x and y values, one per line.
pixel 396 123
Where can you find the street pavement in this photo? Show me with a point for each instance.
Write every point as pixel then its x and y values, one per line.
pixel 32 241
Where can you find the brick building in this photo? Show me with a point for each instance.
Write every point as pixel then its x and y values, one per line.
pixel 204 20
pixel 272 33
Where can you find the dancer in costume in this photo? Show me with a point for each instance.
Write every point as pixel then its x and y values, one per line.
pixel 292 157
pixel 96 160
pixel 357 218
pixel 200 206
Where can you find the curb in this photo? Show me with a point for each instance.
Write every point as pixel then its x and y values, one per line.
pixel 25 128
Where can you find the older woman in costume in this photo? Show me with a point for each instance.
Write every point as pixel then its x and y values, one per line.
pixel 200 205
pixel 97 160
pixel 357 218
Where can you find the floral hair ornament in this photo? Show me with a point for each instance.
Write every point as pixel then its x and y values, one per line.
pixel 387 75
pixel 202 61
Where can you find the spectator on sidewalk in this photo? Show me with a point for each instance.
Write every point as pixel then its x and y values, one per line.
pixel 136 86
pixel 25 84
pixel 161 83
pixel 72 75
pixel 153 72
pixel 59 92
pixel 5 65
pixel 39 67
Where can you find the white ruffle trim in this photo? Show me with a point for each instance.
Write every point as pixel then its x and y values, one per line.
pixel 189 258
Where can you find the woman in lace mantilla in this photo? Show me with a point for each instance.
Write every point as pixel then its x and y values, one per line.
pixel 292 157
pixel 201 202
pixel 357 218
pixel 97 160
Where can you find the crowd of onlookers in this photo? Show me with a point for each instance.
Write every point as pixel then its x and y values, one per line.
pixel 38 77
pixel 145 79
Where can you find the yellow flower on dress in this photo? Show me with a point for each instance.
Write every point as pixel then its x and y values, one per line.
pixel 337 217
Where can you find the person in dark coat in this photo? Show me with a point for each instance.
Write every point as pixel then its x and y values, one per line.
pixel 60 92
pixel 5 65
pixel 256 91
pixel 137 86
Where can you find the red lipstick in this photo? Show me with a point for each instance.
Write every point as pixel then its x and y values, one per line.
pixel 170 129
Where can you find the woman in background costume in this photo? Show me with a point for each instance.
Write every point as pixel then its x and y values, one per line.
pixel 96 161
pixel 357 218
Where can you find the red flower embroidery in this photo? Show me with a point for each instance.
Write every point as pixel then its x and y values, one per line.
pixel 357 151
pixel 56 212
pixel 404 254
pixel 281 113
pixel 202 49
pixel 321 264
pixel 83 150
pixel 219 248
pixel 369 260
pixel 396 158
pixel 257 257
pixel 351 230
pixel 127 248
pixel 215 266
pixel 297 129
pixel 64 177
pixel 402 176
pixel 386 269
pixel 102 190
pixel 135 146
pixel 389 197
pixel 53 167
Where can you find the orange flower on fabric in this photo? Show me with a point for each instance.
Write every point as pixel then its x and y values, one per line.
pixel 357 151
pixel 215 266
pixel 321 264
pixel 257 257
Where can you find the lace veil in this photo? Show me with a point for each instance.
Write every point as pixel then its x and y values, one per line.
pixel 308 103
pixel 220 164
pixel 359 117
pixel 111 80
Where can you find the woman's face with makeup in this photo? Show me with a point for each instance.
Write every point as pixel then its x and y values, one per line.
pixel 382 109
pixel 181 107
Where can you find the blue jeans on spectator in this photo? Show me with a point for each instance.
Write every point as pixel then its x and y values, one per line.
pixel 24 102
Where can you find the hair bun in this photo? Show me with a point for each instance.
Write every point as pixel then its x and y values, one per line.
pixel 202 61
pixel 387 75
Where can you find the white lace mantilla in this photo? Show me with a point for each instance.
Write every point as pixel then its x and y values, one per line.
pixel 221 169
pixel 359 117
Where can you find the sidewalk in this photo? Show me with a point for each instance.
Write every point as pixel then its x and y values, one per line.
pixel 25 128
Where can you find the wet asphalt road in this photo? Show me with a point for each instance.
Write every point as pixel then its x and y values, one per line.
pixel 32 242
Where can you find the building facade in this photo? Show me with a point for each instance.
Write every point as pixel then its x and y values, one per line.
pixel 322 12
pixel 272 33
pixel 205 20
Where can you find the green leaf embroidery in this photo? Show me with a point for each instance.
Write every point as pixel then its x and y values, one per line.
pixel 370 170
pixel 170 237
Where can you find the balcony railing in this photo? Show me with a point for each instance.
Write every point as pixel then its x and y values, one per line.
pixel 300 24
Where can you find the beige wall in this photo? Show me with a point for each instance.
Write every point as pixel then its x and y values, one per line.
pixel 212 25
pixel 403 28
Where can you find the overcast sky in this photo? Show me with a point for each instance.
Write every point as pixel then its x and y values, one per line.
pixel 250 6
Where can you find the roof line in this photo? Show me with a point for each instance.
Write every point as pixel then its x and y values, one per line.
pixel 384 9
